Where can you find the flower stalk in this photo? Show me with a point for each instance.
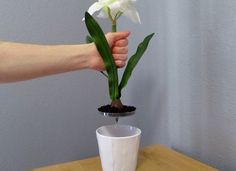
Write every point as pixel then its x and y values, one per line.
pixel 113 26
pixel 113 20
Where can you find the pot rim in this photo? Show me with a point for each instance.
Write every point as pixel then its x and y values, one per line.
pixel 136 134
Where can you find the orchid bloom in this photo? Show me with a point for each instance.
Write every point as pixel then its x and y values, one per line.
pixel 115 8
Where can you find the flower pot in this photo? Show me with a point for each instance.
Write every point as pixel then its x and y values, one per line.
pixel 118 147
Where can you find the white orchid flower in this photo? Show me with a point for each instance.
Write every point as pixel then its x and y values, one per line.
pixel 114 8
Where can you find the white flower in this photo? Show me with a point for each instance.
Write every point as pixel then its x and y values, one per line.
pixel 126 7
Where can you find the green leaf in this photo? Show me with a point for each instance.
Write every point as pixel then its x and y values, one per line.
pixel 103 48
pixel 133 61
pixel 89 39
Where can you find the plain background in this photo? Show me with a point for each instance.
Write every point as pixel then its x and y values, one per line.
pixel 184 88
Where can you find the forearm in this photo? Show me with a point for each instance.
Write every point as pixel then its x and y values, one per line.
pixel 26 61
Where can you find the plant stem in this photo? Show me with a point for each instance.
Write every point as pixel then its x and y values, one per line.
pixel 117 103
pixel 113 20
pixel 114 26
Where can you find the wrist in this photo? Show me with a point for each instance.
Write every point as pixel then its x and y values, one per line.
pixel 94 59
pixel 86 57
pixel 81 59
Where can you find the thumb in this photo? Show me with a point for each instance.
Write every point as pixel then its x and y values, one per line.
pixel 112 37
pixel 120 35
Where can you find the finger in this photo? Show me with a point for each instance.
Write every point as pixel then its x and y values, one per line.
pixel 121 42
pixel 120 50
pixel 120 64
pixel 120 57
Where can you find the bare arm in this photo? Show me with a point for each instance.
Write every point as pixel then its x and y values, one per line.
pixel 27 61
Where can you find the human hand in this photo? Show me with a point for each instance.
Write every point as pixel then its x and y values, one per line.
pixel 118 43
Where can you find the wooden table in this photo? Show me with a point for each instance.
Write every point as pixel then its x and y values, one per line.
pixel 151 158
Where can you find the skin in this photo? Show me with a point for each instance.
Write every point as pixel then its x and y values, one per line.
pixel 19 61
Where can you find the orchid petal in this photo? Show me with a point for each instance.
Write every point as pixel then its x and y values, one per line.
pixel 127 7
pixel 95 7
pixel 130 11
pixel 102 14
pixel 133 15
pixel 115 8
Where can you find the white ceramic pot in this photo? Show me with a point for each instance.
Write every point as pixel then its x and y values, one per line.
pixel 118 147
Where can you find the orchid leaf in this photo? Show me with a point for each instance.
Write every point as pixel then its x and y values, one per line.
pixel 103 48
pixel 133 61
pixel 89 39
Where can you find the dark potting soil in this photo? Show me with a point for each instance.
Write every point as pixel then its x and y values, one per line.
pixel 110 109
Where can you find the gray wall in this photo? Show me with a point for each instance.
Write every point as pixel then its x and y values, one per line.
pixel 147 88
pixel 200 50
pixel 51 119
pixel 184 89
